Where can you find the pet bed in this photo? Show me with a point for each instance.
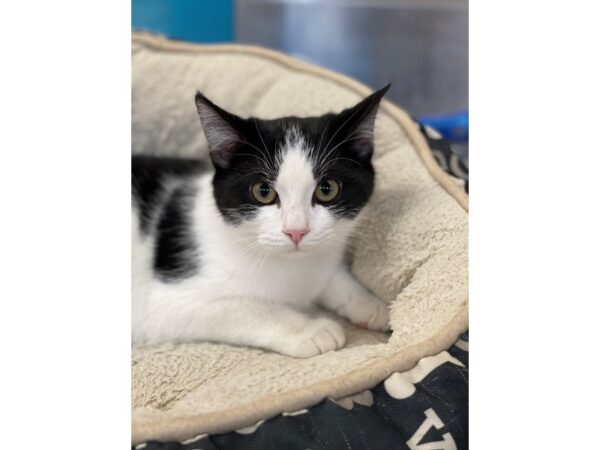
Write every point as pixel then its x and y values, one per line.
pixel 411 248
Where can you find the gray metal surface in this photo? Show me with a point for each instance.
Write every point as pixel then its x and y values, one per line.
pixel 420 46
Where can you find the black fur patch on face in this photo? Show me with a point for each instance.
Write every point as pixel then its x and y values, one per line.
pixel 252 162
pixel 163 190
pixel 244 151
pixel 355 176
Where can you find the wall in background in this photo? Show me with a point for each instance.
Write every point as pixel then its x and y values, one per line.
pixel 190 20
pixel 421 46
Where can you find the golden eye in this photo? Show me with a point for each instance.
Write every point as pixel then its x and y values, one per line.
pixel 263 193
pixel 327 190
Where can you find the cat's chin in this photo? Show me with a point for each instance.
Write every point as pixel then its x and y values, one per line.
pixel 295 253
pixel 303 252
pixel 298 253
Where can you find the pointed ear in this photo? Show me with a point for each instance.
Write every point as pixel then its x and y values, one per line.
pixel 357 124
pixel 221 131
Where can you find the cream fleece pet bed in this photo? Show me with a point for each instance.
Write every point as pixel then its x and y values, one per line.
pixel 411 251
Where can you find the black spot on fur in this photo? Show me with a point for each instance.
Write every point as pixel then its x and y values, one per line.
pixel 176 247
pixel 163 190
pixel 150 176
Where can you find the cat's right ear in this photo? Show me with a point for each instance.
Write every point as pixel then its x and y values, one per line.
pixel 221 131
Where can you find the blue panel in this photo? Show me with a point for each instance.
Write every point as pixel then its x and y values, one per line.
pixel 189 20
pixel 453 127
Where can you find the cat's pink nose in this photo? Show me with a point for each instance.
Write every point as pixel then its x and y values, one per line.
pixel 296 235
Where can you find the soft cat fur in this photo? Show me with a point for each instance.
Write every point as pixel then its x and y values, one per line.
pixel 212 262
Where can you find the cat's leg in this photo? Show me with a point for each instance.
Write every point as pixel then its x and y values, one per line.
pixel 245 322
pixel 350 299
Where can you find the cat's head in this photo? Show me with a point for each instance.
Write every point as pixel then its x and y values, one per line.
pixel 292 185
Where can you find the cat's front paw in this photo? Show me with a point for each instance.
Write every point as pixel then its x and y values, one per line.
pixel 319 336
pixel 370 312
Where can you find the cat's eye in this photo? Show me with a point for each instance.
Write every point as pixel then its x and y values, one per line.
pixel 327 190
pixel 263 193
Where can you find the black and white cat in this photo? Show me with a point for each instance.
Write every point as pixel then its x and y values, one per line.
pixel 242 252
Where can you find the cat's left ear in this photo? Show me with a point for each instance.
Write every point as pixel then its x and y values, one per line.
pixel 222 131
pixel 357 124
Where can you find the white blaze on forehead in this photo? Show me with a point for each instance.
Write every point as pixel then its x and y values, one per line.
pixel 295 184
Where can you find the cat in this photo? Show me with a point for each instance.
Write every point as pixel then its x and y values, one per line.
pixel 243 251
